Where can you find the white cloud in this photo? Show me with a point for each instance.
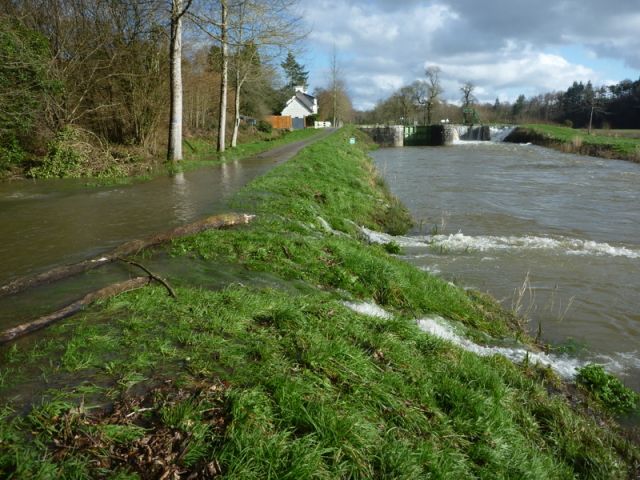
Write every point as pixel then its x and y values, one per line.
pixel 503 47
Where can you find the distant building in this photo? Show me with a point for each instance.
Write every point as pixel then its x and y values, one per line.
pixel 299 106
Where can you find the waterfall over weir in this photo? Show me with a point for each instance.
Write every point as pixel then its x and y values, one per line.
pixel 434 135
pixel 482 133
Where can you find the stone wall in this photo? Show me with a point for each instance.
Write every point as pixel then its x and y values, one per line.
pixel 386 136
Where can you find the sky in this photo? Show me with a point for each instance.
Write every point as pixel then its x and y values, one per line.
pixel 504 47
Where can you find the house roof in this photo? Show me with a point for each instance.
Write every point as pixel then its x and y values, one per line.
pixel 306 100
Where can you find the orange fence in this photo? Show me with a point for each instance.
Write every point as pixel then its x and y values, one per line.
pixel 278 121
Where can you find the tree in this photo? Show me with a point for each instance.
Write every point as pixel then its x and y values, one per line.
pixel 518 108
pixel 258 29
pixel 174 149
pixel 406 98
pixel 107 61
pixel 468 99
pixel 23 76
pixel 434 90
pixel 245 62
pixel 224 72
pixel 421 96
pixel 295 73
pixel 340 103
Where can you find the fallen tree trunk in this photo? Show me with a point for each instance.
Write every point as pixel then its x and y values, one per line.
pixel 130 248
pixel 73 308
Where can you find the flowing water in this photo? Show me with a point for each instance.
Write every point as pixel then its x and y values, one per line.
pixel 50 223
pixel 552 235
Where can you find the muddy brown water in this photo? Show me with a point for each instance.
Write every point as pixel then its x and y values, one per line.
pixel 497 216
pixel 49 223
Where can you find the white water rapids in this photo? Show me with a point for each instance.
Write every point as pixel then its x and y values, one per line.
pixel 553 235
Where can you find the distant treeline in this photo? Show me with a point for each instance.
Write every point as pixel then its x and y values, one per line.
pixel 614 106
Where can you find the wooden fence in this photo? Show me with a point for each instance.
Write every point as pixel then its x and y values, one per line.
pixel 280 121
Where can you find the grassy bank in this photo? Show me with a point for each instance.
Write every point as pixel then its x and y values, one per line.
pixel 200 152
pixel 76 154
pixel 273 376
pixel 601 144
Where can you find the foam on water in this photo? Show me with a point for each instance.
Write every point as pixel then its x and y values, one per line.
pixel 381 238
pixel 368 308
pixel 459 242
pixel 498 134
pixel 566 367
pixel 570 246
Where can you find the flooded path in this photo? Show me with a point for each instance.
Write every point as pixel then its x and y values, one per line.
pixel 50 223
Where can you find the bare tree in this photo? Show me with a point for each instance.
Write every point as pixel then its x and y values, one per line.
pixel 405 98
pixel 178 9
pixel 420 96
pixel 259 30
pixel 335 86
pixel 224 74
pixel 434 89
pixel 468 99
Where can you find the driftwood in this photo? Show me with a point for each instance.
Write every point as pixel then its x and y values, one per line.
pixel 75 307
pixel 152 275
pixel 129 248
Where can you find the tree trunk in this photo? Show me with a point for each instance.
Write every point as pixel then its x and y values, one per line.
pixel 236 110
pixel 129 248
pixel 222 124
pixel 174 152
pixel 75 307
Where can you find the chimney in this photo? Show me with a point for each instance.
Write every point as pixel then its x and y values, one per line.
pixel 299 88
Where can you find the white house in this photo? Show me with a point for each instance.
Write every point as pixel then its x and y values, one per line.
pixel 301 105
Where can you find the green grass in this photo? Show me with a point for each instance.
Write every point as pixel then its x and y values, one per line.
pixel 621 146
pixel 249 382
pixel 607 389
pixel 199 152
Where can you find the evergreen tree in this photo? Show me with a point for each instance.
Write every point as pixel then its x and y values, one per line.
pixel 295 72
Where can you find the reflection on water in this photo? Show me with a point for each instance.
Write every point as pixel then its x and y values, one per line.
pixel 182 206
pixel 48 223
pixel 492 215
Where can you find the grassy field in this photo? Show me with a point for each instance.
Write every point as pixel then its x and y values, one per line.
pixel 618 144
pixel 272 376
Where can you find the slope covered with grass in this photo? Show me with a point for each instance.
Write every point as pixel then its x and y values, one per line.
pixel 277 378
pixel 579 141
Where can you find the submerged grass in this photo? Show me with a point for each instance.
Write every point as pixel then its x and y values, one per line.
pixel 249 382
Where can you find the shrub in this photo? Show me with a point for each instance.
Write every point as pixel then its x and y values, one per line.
pixel 568 123
pixel 264 126
pixel 393 248
pixel 64 158
pixel 607 389
pixel 11 153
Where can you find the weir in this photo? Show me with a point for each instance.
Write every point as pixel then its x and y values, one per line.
pixel 432 135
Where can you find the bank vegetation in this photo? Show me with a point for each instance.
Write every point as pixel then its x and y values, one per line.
pixel 107 88
pixel 260 369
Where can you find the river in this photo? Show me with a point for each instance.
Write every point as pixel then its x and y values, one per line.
pixel 555 236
